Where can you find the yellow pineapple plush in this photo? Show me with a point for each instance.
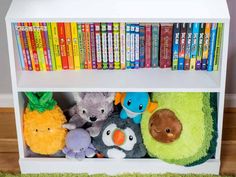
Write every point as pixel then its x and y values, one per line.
pixel 43 120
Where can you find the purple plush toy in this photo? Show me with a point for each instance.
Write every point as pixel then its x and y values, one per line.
pixel 78 144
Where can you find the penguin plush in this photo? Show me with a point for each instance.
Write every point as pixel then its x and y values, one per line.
pixel 120 139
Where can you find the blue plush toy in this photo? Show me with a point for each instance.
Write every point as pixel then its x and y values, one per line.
pixel 134 104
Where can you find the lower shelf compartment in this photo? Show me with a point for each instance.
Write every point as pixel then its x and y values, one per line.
pixel 112 166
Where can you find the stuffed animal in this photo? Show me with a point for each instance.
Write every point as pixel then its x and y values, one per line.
pixel 134 104
pixel 120 139
pixel 43 121
pixel 183 130
pixel 78 144
pixel 90 111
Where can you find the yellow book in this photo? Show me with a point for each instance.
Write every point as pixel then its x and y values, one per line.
pixel 39 46
pixel 75 45
pixel 56 46
pixel 28 28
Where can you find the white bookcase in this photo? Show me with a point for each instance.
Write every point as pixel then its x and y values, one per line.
pixel 151 80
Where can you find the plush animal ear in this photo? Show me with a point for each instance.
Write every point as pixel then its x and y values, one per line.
pixel 152 106
pixel 78 97
pixel 110 97
pixel 118 98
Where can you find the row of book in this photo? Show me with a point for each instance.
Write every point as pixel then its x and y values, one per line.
pixel 56 46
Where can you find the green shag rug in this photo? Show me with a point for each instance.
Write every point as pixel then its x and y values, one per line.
pixel 103 175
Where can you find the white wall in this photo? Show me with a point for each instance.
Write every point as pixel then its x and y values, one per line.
pixel 5 82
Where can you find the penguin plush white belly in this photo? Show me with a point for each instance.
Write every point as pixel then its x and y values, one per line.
pixel 120 139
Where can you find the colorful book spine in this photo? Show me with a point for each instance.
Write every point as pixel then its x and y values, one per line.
pixel 194 45
pixel 116 34
pixel 62 43
pixel 19 46
pixel 81 45
pixel 26 46
pixel 56 46
pixel 93 46
pixel 88 57
pixel 104 46
pixel 148 45
pixel 142 46
pixel 75 45
pixel 218 46
pixel 98 45
pixel 200 46
pixel 39 46
pixel 122 46
pixel 46 47
pixel 27 29
pixel 50 40
pixel 136 46
pixel 175 47
pixel 182 44
pixel 210 62
pixel 132 46
pixel 128 45
pixel 188 46
pixel 155 45
pixel 206 46
pixel 69 48
pixel 166 45
pixel 110 45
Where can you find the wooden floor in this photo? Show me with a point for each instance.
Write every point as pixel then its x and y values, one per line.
pixel 9 155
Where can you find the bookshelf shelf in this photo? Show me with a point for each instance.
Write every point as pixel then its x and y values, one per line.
pixel 151 80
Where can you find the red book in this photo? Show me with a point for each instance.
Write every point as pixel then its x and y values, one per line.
pixel 44 45
pixel 33 46
pixel 62 43
pixel 166 45
pixel 85 44
pixel 98 45
pixel 148 45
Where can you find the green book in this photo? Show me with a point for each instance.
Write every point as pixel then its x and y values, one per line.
pixel 155 45
pixel 81 45
pixel 50 40
pixel 218 46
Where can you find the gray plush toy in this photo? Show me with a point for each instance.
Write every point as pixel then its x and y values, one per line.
pixel 90 111
pixel 120 139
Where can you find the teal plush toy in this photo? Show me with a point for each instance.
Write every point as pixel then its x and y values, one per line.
pixel 134 104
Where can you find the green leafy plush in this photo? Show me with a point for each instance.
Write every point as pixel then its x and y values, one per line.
pixel 40 101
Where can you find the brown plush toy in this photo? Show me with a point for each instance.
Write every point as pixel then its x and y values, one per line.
pixel 164 126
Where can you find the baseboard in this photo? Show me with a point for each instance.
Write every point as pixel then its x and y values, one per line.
pixel 230 100
pixel 6 100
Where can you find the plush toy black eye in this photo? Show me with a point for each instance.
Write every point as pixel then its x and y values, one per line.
pixel 108 132
pixel 84 111
pixel 140 107
pixel 129 102
pixel 36 130
pixel 49 129
pixel 102 111
pixel 131 138
pixel 167 130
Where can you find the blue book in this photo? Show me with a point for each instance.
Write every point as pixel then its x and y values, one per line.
pixel 182 43
pixel 194 46
pixel 128 45
pixel 132 46
pixel 155 45
pixel 210 62
pixel 175 47
pixel 136 45
pixel 17 28
pixel 141 46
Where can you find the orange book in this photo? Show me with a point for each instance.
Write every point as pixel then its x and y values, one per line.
pixel 69 49
pixel 62 44
pixel 88 46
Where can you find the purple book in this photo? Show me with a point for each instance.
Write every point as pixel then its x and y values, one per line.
pixel 26 47
pixel 110 45
pixel 93 47
pixel 47 46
